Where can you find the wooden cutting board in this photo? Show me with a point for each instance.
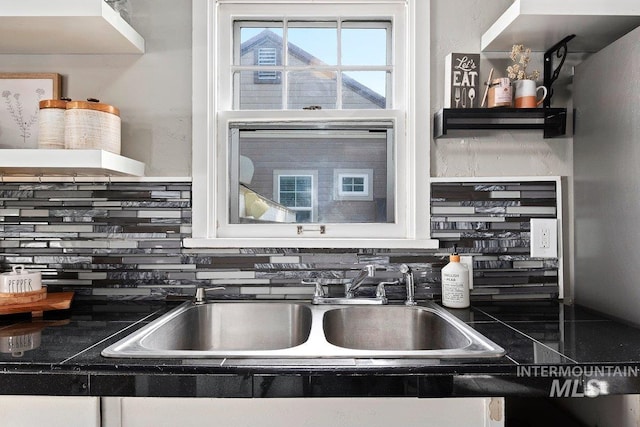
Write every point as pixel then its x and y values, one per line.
pixel 53 301
pixel 22 297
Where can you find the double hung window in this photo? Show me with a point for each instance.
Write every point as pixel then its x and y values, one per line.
pixel 306 131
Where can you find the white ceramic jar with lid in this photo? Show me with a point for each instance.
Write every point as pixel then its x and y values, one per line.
pixel 51 123
pixel 19 280
pixel 92 125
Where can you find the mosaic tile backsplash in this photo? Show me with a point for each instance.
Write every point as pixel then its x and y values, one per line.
pixel 123 240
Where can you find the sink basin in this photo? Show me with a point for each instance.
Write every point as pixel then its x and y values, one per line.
pixel 391 328
pixel 240 329
pixel 229 326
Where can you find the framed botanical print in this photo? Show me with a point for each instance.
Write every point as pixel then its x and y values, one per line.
pixel 19 106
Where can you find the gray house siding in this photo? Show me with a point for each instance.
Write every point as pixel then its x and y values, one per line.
pixel 323 156
pixel 305 88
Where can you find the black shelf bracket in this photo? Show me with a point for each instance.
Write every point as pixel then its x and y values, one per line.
pixel 559 50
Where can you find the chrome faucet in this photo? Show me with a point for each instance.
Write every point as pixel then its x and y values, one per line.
pixel 409 283
pixel 356 282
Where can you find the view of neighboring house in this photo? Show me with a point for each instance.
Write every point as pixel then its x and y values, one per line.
pixel 336 176
pixel 262 89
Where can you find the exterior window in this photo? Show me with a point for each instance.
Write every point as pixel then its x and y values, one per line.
pixel 341 64
pixel 353 184
pixel 308 123
pixel 296 192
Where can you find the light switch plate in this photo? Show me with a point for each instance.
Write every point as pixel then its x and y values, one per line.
pixel 544 238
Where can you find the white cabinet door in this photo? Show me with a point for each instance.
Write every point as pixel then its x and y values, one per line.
pixel 49 411
pixel 344 412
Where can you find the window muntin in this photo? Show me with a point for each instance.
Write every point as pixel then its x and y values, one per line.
pixel 341 64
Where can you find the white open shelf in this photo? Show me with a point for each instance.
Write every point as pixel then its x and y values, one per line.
pixel 65 27
pixel 540 24
pixel 36 162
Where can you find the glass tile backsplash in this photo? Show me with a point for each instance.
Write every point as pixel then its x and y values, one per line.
pixel 123 240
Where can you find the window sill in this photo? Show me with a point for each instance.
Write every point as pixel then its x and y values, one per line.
pixel 310 243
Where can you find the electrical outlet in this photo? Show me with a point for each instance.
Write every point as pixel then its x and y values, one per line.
pixel 544 238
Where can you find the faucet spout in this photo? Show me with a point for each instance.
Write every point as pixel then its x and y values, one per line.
pixel 367 271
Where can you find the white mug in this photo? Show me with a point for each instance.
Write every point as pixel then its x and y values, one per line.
pixel 525 93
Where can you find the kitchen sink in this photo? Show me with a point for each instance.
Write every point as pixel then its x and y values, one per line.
pixel 391 328
pixel 229 326
pixel 278 329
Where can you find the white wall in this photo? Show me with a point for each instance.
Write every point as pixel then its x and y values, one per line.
pixel 153 91
pixel 457 26
pixel 606 179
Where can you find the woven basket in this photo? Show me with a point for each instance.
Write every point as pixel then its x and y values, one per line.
pixel 51 123
pixel 91 125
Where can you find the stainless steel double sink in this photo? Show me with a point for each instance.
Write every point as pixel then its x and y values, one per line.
pixel 238 329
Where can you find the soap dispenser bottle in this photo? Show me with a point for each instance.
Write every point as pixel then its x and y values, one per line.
pixel 455 283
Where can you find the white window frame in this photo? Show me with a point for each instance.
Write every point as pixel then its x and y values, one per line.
pixel 212 113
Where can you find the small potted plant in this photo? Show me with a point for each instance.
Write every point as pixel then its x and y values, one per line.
pixel 524 83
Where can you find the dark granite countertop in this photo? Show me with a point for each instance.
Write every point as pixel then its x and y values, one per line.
pixel 545 341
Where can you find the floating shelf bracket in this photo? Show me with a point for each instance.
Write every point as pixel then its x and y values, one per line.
pixel 551 75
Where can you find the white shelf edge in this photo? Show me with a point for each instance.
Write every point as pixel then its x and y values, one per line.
pixel 40 162
pixel 539 24
pixel 65 27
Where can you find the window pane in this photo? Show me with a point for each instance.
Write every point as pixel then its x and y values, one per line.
pixel 364 46
pixel 287 183
pixel 312 88
pixel 303 216
pixel 303 183
pixel 254 38
pixel 260 90
pixel 364 90
pixel 288 199
pixel 304 167
pixel 312 45
pixel 303 200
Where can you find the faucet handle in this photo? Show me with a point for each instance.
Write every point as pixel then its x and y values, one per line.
pixel 380 290
pixel 319 291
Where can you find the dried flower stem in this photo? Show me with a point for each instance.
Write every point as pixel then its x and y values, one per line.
pixel 521 57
